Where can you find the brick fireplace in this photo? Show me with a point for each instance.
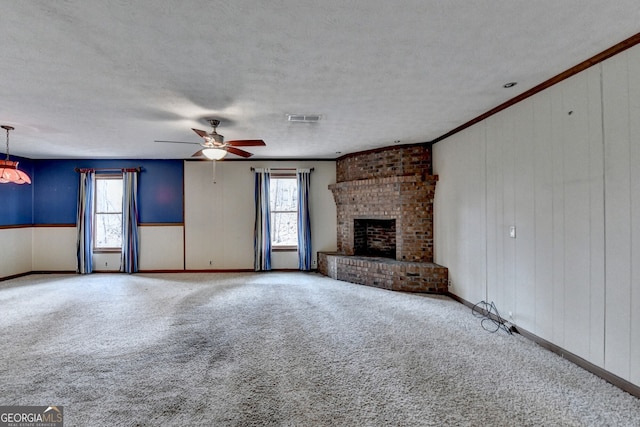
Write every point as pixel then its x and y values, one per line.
pixel 384 202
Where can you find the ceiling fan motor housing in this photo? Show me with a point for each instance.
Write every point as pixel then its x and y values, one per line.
pixel 216 138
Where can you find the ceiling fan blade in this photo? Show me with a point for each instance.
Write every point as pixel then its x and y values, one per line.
pixel 200 132
pixel 246 143
pixel 238 152
pixel 197 154
pixel 178 142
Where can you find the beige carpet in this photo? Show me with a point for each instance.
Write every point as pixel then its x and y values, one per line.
pixel 288 349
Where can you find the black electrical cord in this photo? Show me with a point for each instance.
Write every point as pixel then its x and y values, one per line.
pixel 491 320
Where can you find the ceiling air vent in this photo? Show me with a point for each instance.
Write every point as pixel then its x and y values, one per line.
pixel 304 118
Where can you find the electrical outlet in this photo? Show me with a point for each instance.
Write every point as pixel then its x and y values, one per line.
pixel 449 283
pixel 210 262
pixel 314 263
pixel 106 264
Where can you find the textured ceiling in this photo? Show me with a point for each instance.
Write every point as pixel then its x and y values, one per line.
pixel 104 79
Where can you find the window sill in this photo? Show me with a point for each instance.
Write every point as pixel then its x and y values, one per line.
pixel 106 250
pixel 284 249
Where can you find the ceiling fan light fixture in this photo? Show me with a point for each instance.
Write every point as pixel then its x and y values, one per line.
pixel 215 148
pixel 214 153
pixel 9 172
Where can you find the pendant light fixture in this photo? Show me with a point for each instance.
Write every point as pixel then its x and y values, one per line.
pixel 9 171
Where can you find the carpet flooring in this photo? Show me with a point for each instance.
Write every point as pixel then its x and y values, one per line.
pixel 278 349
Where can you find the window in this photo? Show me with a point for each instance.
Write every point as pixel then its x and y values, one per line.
pixel 283 201
pixel 107 220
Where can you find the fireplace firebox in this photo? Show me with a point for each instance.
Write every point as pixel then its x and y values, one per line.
pixel 375 237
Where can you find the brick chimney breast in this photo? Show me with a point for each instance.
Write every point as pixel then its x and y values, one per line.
pixel 390 184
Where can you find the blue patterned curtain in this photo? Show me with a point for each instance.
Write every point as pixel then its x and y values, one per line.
pixel 304 222
pixel 84 222
pixel 262 229
pixel 129 255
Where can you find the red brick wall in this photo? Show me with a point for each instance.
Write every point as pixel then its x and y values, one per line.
pixel 385 162
pixel 393 183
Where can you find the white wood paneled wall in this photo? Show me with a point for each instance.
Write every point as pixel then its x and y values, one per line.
pixel 460 221
pixel 563 168
pixel 219 217
pixel 621 93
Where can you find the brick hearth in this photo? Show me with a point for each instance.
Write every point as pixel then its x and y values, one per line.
pixel 392 184
pixel 385 273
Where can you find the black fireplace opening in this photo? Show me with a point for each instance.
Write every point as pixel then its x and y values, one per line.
pixel 375 237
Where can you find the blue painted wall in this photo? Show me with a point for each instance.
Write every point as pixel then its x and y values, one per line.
pixel 52 198
pixel 16 200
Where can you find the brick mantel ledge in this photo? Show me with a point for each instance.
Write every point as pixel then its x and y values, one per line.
pixel 386 180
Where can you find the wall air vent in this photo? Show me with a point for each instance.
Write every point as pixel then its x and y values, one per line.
pixel 304 118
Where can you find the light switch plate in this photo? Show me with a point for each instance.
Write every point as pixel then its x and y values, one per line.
pixel 512 231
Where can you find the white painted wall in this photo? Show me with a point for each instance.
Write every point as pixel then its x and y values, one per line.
pixel 54 248
pixel 106 261
pixel 219 216
pixel 572 190
pixel 15 254
pixel 161 247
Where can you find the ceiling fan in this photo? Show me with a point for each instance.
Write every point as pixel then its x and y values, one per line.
pixel 214 146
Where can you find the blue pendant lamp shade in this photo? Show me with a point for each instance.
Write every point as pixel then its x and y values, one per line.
pixel 9 171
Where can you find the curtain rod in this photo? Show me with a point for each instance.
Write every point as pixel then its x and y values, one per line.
pixel 136 169
pixel 281 169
